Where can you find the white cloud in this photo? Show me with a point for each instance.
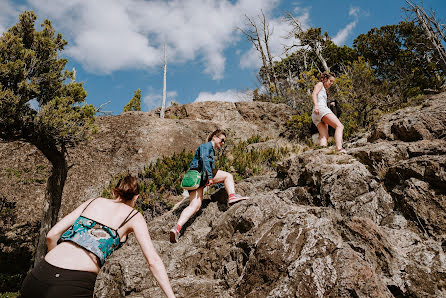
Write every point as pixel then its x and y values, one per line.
pixel 109 35
pixel 345 32
pixel 7 14
pixel 228 95
pixel 354 11
pixel 154 99
pixel 280 29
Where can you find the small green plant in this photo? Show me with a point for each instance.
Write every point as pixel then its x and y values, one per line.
pixel 162 178
pixel 158 180
pixel 9 295
pixel 13 172
pixel 300 125
pixel 256 139
pixel 135 103
pixel 243 163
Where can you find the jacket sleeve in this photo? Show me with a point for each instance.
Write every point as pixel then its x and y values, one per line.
pixel 206 162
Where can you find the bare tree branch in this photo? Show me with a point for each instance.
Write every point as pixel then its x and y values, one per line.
pixel 432 29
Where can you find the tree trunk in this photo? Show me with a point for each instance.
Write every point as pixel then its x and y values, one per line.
pixel 163 107
pixel 321 58
pixel 266 35
pixel 254 37
pixel 52 200
pixel 433 31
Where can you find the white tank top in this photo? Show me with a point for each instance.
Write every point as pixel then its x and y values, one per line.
pixel 322 97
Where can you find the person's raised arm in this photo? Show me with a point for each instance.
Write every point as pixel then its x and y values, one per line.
pixel 60 227
pixel 156 266
pixel 316 90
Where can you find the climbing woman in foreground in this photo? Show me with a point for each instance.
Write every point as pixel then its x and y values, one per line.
pixel 322 116
pixel 204 162
pixel 79 244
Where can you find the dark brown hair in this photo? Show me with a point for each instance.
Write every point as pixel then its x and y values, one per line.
pixel 216 133
pixel 127 188
pixel 326 76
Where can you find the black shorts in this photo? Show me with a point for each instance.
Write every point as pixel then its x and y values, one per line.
pixel 48 281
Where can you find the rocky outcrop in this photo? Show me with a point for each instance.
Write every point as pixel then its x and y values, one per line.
pixel 262 117
pixel 280 243
pixel 366 224
pixel 412 165
pixel 370 223
pixel 126 142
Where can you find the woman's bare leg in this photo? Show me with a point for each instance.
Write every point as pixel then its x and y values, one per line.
pixel 323 133
pixel 227 179
pixel 334 122
pixel 195 198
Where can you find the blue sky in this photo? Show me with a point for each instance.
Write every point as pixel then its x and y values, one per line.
pixel 116 46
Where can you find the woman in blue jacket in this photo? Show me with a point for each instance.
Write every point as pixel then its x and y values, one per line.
pixel 204 162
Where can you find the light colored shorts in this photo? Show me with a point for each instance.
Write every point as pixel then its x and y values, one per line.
pixel 322 112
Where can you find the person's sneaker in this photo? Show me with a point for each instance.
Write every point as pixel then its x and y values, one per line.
pixel 174 234
pixel 341 151
pixel 236 198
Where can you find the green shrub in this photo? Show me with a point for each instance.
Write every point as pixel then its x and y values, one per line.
pixel 9 295
pixel 162 178
pixel 299 126
pixel 256 139
pixel 242 162
pixel 158 180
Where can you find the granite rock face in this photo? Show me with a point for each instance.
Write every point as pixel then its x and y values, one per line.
pixel 126 142
pixel 370 223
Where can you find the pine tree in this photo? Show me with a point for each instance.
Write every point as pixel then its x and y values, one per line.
pixel 32 74
pixel 134 103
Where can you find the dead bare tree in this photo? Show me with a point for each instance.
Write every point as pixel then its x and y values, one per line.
pixel 163 106
pixel 260 41
pixel 309 38
pixel 434 31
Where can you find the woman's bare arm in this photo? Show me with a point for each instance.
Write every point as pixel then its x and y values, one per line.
pixel 60 227
pixel 316 90
pixel 156 266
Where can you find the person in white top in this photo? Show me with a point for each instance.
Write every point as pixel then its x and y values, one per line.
pixel 322 116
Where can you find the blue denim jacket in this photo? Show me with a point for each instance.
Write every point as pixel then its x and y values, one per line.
pixel 204 161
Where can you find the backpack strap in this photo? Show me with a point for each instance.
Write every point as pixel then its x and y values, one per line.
pixel 128 218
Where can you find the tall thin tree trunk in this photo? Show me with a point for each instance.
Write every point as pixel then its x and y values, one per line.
pixel 318 51
pixel 163 107
pixel 52 201
pixel 266 35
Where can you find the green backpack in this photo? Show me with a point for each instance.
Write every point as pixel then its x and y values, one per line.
pixel 191 180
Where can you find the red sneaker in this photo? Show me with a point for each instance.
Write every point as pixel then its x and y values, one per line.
pixel 236 198
pixel 174 235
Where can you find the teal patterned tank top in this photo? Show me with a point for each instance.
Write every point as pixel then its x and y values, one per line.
pixel 95 237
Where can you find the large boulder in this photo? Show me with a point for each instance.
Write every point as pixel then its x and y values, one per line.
pixel 126 142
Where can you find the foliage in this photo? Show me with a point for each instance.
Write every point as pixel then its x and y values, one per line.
pixel 7 211
pixel 158 180
pixel 256 139
pixel 162 178
pixel 9 295
pixel 244 161
pixel 401 55
pixel 362 96
pixel 135 103
pixel 299 126
pixel 30 71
